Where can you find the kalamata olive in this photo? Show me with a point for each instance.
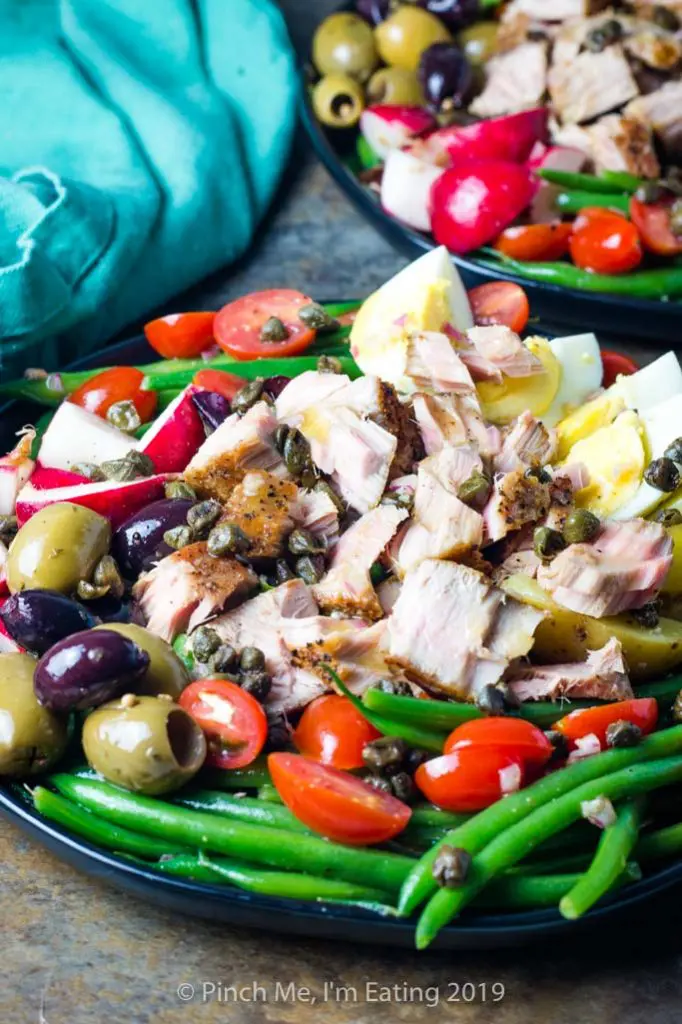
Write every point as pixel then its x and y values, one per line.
pixel 453 13
pixel 32 738
pixel 110 609
pixel 373 11
pixel 212 408
pixel 146 744
pixel 56 548
pixel 166 673
pixel 446 77
pixel 38 619
pixel 88 668
pixel 139 541
pixel 274 386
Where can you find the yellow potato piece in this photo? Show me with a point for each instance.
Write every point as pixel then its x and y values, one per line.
pixel 502 403
pixel 673 581
pixel 586 419
pixel 568 636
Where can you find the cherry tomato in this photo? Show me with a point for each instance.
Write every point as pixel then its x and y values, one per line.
pixel 238 325
pixel 119 384
pixel 335 804
pixel 333 732
pixel 535 241
pixel 589 214
pixel 643 712
pixel 514 736
pixel 233 721
pixel 616 365
pixel 181 335
pixel 652 220
pixel 606 245
pixel 220 381
pixel 470 778
pixel 500 302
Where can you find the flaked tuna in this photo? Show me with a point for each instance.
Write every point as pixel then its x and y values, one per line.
pixel 527 443
pixel 433 363
pixel 517 500
pixel 603 675
pixel 502 349
pixel 262 505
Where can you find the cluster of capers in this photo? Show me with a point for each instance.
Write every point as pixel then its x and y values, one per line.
pixel 391 765
pixel 106 580
pixel 664 473
pixel 133 465
pixel 398 53
pixel 580 527
pixel 198 524
pixel 295 450
pixel 247 668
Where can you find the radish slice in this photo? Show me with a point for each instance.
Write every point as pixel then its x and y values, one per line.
pixel 3 569
pixel 386 127
pixel 76 435
pixel 500 138
pixel 15 470
pixel 176 435
pixel 114 500
pixel 406 188
pixel 45 478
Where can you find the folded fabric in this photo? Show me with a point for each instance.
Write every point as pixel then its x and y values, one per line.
pixel 141 144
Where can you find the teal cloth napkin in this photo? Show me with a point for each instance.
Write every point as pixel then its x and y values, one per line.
pixel 140 143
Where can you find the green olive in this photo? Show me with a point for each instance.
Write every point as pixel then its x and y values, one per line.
pixel 147 744
pixel 403 37
pixel 479 42
pixel 56 548
pixel 344 44
pixel 395 87
pixel 338 101
pixel 32 738
pixel 166 673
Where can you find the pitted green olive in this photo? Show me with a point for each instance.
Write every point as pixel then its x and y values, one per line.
pixel 32 739
pixel 403 37
pixel 166 673
pixel 344 44
pixel 56 548
pixel 146 744
pixel 338 101
pixel 479 42
pixel 395 87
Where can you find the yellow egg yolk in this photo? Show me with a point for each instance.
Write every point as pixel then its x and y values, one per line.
pixel 615 457
pixel 502 403
pixel 586 419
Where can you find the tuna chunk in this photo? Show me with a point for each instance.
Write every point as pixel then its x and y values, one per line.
pixel 559 10
pixel 527 443
pixel 433 363
pixel 517 500
pixel 240 444
pixel 603 675
pixel 262 506
pixel 591 84
pixel 317 512
pixel 515 80
pixel 453 632
pixel 661 111
pixel 453 420
pixel 622 569
pixel 623 144
pixel 501 352
pixel 654 47
pixel 347 587
pixel 350 647
pixel 189 587
pixel 306 391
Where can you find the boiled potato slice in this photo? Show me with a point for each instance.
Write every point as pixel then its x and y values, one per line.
pixel 673 581
pixel 568 636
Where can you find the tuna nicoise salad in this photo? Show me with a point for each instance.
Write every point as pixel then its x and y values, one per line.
pixel 391 619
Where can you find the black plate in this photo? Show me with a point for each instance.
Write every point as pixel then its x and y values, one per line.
pixel 475 931
pixel 642 318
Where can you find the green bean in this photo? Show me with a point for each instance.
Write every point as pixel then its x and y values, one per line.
pixel 241 808
pixel 340 308
pixel 662 283
pixel 252 777
pixel 510 845
pixel 434 817
pixel 292 366
pixel 660 845
pixel 614 848
pixel 258 843
pixel 165 397
pixel 523 892
pixel 575 180
pixel 269 793
pixel 474 834
pixel 97 830
pixel 622 180
pixel 574 202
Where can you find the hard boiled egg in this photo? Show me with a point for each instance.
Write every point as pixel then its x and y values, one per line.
pixel 581 374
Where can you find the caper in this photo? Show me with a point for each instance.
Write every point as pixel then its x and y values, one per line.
pixel 227 539
pixel 662 474
pixel 282 571
pixel 338 101
pixel 329 364
pixel 648 615
pixel 248 396
pixel 580 526
pixel 251 659
pixel 401 499
pixel 310 568
pixel 674 450
pixel 8 528
pixel 677 708
pixel 665 18
pixel 224 659
pixel 669 517
pixel 676 218
pixel 607 33
pixel 274 329
pixel 205 642
pixel 384 754
pixel 324 487
pixel 280 437
pixel 87 591
pixel 539 474
pixel 125 416
pixel 204 515
pixel 394 686
pixel 395 87
pixel 179 489
pixel 303 542
pixel 178 537
pixel 107 575
pixel 559 743
pixel 403 787
pixel 547 543
pixel 296 453
pixel 490 700
pixel 623 734
pixel 451 867
pixel 317 318
pixel 649 192
pixel 133 466
pixel 257 683
pixel 89 470
pixel 474 491
pixel 380 783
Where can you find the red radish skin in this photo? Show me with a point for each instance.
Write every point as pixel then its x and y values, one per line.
pixel 45 478
pixel 177 434
pixel 386 128
pixel 472 204
pixel 116 501
pixel 3 572
pixel 501 138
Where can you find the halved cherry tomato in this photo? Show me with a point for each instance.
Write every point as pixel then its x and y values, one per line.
pixel 336 804
pixel 220 381
pixel 181 335
pixel 119 384
pixel 653 223
pixel 643 712
pixel 470 778
pixel 500 302
pixel 535 241
pixel 333 732
pixel 233 721
pixel 514 736
pixel 606 245
pixel 238 325
pixel 616 365
pixel 589 214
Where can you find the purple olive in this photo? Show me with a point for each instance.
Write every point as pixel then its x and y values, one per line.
pixel 453 13
pixel 37 619
pixel 138 542
pixel 274 386
pixel 446 77
pixel 374 11
pixel 88 669
pixel 212 408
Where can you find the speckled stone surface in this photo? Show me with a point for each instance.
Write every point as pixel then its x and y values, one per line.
pixel 73 951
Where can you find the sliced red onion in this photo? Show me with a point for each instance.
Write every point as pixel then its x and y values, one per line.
pixel 274 386
pixel 586 746
pixel 212 408
pixel 510 779
pixel 599 812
